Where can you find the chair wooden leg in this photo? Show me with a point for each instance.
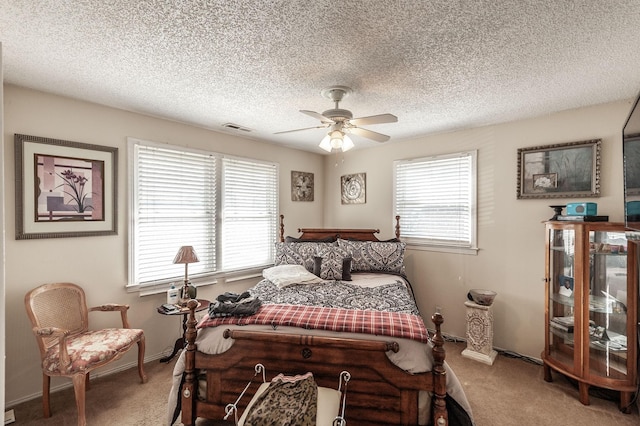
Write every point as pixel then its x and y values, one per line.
pixel 86 382
pixel 141 347
pixel 79 381
pixel 46 403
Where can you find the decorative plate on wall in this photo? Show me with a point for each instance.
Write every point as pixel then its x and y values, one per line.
pixel 353 188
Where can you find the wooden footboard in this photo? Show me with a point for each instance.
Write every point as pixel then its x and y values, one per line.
pixel 379 392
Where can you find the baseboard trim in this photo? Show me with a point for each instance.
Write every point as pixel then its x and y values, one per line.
pixel 132 364
pixel 504 352
pixel 94 375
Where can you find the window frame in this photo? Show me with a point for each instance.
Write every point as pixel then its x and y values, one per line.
pixel 431 244
pixel 160 285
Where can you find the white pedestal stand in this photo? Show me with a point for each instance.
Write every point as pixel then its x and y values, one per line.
pixel 479 333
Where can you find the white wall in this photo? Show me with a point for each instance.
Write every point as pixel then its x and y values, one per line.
pixel 99 264
pixel 510 231
pixel 511 237
pixel 2 233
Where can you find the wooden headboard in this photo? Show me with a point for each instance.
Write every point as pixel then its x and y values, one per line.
pixel 322 233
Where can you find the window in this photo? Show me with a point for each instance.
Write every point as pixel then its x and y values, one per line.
pixel 225 207
pixel 436 200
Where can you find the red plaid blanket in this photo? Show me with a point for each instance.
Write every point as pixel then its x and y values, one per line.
pixel 391 324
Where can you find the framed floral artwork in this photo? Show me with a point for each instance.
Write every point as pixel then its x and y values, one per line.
pixel 64 189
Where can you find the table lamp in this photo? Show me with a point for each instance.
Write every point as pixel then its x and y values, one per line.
pixel 186 255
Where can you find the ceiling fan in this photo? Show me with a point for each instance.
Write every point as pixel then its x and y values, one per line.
pixel 341 121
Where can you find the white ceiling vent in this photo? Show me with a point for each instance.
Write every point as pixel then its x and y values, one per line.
pixel 236 127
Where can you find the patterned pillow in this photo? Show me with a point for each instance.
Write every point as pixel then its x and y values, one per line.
pixel 375 255
pixel 288 400
pixel 333 263
pixel 299 253
pixel 329 270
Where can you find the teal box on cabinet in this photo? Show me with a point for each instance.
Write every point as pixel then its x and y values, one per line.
pixel 633 208
pixel 582 209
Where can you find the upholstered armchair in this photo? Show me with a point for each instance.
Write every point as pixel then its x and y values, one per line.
pixel 60 321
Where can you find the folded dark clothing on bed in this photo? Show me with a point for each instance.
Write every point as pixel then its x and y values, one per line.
pixel 232 297
pixel 232 304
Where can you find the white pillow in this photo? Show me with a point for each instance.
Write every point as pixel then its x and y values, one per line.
pixel 285 275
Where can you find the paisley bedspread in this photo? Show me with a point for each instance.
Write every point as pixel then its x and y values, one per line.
pixel 386 309
pixel 390 297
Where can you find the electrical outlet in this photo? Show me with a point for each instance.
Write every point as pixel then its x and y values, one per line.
pixel 9 417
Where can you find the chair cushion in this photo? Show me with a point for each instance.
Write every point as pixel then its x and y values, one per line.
pixel 91 349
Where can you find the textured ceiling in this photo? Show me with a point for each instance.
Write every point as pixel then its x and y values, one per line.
pixel 438 65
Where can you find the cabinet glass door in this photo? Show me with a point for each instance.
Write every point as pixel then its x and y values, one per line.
pixel 608 304
pixel 561 296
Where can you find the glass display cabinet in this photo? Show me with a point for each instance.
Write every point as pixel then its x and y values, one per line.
pixel 591 308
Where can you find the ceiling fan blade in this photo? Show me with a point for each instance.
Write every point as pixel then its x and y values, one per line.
pixel 374 119
pixel 318 116
pixel 378 137
pixel 306 128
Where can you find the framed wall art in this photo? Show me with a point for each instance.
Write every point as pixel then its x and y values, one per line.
pixel 301 186
pixel 353 188
pixel 64 189
pixel 567 170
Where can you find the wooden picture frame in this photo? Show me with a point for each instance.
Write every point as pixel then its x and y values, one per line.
pixel 566 170
pixel 353 188
pixel 64 188
pixel 302 186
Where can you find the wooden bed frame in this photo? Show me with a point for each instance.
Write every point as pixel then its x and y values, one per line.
pixel 379 393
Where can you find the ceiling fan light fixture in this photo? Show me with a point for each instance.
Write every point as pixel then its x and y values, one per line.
pixel 326 143
pixel 336 141
pixel 347 143
pixel 338 121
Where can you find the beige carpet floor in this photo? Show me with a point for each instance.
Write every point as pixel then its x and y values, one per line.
pixel 510 392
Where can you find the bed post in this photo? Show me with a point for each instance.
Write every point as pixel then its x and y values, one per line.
pixel 187 393
pixel 398 226
pixel 440 417
pixel 282 228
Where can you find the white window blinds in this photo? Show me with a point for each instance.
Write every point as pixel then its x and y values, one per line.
pixel 249 219
pixel 225 208
pixel 436 199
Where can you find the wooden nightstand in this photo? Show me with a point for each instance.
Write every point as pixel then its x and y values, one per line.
pixel 179 344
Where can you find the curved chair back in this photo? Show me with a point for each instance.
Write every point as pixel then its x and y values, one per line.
pixel 61 305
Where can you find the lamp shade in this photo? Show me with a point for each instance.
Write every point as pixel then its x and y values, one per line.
pixel 347 143
pixel 186 254
pixel 326 144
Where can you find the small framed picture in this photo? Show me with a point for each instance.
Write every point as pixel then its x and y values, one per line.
pixel 566 282
pixel 301 186
pixel 545 180
pixel 353 188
